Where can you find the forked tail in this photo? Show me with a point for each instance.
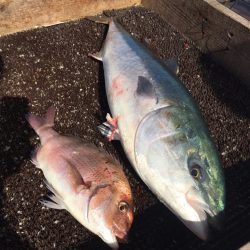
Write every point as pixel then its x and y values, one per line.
pixel 39 123
pixel 100 19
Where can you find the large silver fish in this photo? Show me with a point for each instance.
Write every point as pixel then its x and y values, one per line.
pixel 87 182
pixel 161 130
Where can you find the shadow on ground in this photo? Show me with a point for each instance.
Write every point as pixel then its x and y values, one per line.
pixel 15 148
pixel 1 67
pixel 226 87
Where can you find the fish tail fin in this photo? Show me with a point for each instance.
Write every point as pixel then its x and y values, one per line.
pixel 104 20
pixel 100 19
pixel 39 122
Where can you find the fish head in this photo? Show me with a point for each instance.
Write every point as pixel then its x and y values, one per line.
pixel 184 169
pixel 111 211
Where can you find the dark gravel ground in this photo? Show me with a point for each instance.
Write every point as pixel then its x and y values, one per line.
pixel 50 66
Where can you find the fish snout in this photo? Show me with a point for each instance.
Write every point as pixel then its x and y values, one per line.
pixel 121 235
pixel 121 232
pixel 124 239
pixel 205 217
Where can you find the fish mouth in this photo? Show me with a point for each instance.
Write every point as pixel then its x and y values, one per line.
pixel 203 218
pixel 121 235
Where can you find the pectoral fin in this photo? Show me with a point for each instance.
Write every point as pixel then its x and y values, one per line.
pixel 145 88
pixel 97 55
pixel 73 183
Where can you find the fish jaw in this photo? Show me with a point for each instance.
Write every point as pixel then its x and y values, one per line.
pixel 109 238
pixel 198 220
pixel 207 217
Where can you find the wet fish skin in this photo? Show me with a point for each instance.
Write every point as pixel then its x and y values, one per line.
pixel 162 131
pixel 86 181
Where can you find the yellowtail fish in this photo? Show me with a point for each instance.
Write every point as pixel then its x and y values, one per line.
pixel 161 130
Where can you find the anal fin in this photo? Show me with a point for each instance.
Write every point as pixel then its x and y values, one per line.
pixel 56 201
pixel 172 65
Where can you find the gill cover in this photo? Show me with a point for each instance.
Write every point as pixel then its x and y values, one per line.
pixel 166 130
pixel 163 141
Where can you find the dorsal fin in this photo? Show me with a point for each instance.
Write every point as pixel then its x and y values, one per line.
pixel 172 64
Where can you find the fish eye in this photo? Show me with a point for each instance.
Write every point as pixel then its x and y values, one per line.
pixel 123 206
pixel 196 172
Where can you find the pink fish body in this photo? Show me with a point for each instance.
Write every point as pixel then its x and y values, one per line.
pixel 86 181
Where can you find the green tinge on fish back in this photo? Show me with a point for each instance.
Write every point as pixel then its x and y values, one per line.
pixel 201 146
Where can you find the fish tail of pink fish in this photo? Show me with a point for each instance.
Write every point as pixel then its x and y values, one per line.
pixel 43 124
pixel 38 123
